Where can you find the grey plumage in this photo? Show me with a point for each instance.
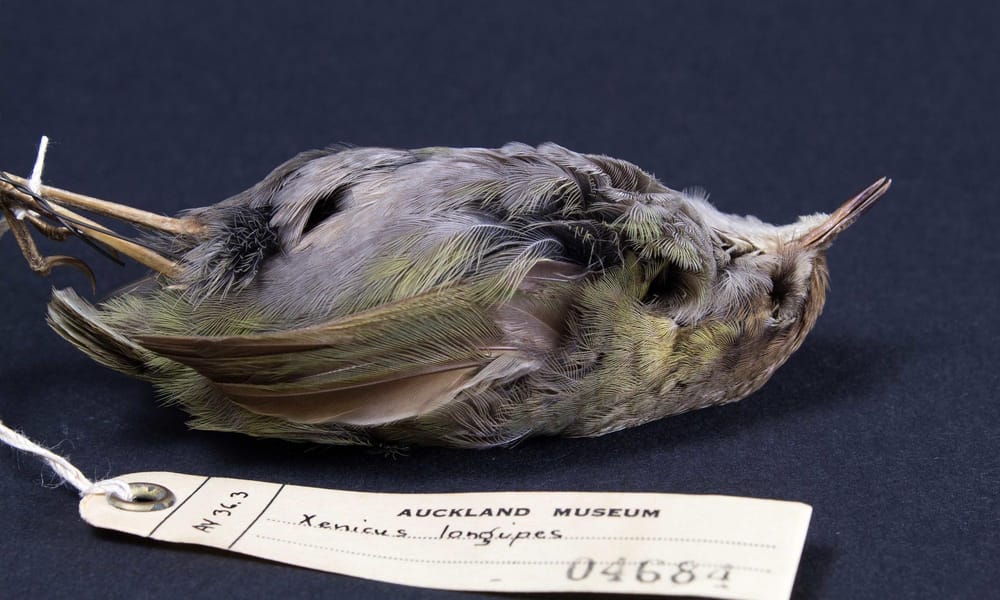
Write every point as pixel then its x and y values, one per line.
pixel 465 297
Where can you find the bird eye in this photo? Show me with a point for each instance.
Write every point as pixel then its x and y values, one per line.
pixel 789 289
pixel 671 286
pixel 779 292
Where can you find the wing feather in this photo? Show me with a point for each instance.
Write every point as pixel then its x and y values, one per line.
pixel 373 403
pixel 390 363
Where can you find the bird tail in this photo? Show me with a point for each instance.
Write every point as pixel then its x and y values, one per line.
pixel 80 323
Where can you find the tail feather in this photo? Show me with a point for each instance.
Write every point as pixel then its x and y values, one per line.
pixel 79 322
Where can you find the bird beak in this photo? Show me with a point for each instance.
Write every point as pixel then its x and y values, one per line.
pixel 823 234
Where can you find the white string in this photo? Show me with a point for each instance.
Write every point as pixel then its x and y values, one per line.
pixel 35 182
pixel 65 469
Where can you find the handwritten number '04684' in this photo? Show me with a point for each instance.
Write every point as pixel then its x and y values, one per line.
pixel 649 571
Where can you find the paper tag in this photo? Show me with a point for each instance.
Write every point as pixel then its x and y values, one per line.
pixel 670 544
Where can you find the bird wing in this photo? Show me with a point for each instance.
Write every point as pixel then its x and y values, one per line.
pixel 396 361
pixel 381 365
pixel 369 403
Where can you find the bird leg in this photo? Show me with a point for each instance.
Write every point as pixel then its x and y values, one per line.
pixel 50 203
pixel 114 210
pixel 56 233
pixel 38 263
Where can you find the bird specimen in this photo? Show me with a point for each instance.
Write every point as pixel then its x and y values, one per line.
pixel 447 296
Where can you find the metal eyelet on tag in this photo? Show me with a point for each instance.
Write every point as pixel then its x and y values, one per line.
pixel 146 497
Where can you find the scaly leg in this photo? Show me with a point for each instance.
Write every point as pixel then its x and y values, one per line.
pixel 89 228
pixel 56 233
pixel 183 226
pixel 38 263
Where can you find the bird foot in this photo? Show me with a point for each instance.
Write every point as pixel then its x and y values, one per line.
pixel 16 219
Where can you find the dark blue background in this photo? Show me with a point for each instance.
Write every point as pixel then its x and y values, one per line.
pixel 886 421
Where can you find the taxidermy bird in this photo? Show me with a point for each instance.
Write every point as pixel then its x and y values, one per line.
pixel 448 296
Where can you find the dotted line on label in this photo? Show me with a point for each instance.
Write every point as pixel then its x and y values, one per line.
pixel 671 539
pixel 495 562
pixel 283 522
pixel 416 560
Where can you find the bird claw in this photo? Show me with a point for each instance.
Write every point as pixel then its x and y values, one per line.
pixel 46 263
pixel 36 262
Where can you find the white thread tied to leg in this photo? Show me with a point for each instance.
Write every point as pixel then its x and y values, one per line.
pixel 35 182
pixel 65 469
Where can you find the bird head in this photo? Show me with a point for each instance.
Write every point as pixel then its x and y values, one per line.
pixel 770 286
